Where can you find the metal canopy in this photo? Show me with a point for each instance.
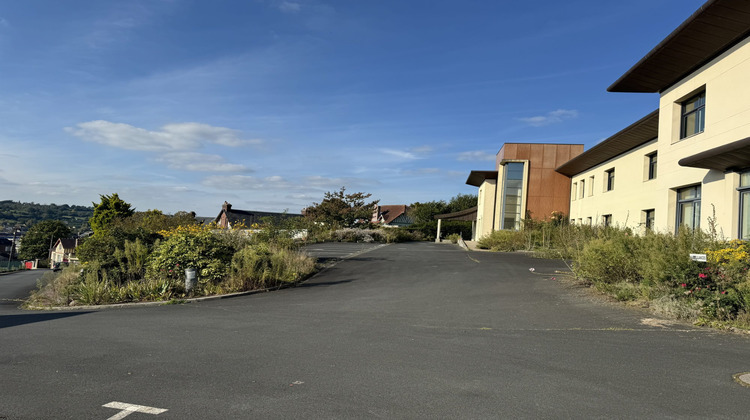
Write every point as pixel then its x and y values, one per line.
pixel 714 28
pixel 476 178
pixel 641 131
pixel 734 156
pixel 468 214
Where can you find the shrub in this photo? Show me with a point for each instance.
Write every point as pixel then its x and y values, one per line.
pixel 454 237
pixel 605 261
pixel 503 240
pixel 190 247
pixel 261 266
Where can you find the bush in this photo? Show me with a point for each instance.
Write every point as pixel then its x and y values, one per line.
pixel 454 237
pixel 190 247
pixel 261 266
pixel 503 240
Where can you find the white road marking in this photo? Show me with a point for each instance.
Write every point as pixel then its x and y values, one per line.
pixel 128 409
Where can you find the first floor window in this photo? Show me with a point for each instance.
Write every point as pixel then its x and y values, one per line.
pixel 693 115
pixel 689 207
pixel 607 220
pixel 583 188
pixel 652 166
pixel 609 180
pixel 745 206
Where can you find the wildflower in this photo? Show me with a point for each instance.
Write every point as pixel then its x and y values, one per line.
pixel 531 269
pixel 683 284
pixel 702 275
pixel 553 278
pixel 723 292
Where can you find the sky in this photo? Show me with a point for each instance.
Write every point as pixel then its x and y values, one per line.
pixel 268 104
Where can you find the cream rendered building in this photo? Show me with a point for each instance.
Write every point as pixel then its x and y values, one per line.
pixel 693 167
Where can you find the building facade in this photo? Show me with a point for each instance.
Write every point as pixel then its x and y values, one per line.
pixel 524 185
pixel 688 162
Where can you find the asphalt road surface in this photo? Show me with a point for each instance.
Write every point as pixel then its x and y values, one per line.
pixel 416 330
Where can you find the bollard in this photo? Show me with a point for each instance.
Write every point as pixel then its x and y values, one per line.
pixel 190 279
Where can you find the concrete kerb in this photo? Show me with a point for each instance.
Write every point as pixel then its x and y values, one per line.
pixel 202 298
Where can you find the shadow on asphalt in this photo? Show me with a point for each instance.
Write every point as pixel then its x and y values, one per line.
pixel 14 320
pixel 325 283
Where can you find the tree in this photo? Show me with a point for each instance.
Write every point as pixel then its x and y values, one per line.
pixel 461 202
pixel 339 209
pixel 110 209
pixel 37 240
pixel 425 212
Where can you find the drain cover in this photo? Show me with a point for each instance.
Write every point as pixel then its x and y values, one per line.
pixel 743 379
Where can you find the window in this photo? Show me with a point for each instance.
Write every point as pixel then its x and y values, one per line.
pixel 512 196
pixel 651 165
pixel 744 206
pixel 591 186
pixel 574 193
pixel 572 221
pixel 693 119
pixel 588 221
pixel 607 220
pixel 689 207
pixel 649 218
pixel 609 180
pixel 583 188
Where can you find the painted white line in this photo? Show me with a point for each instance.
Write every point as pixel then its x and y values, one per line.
pixel 128 409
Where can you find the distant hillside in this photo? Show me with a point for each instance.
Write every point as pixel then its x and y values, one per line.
pixel 24 215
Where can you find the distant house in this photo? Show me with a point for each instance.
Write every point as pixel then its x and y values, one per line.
pixel 229 217
pixel 64 251
pixel 392 215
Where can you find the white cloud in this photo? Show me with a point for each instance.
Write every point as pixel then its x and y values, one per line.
pixel 475 155
pixel 171 137
pixel 290 7
pixel 400 154
pixel 276 182
pixel 200 162
pixel 556 116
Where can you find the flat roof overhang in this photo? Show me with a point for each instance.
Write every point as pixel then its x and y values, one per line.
pixel 632 136
pixel 468 214
pixel 730 157
pixel 714 28
pixel 476 178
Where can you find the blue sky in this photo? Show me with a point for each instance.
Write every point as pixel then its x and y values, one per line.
pixel 181 105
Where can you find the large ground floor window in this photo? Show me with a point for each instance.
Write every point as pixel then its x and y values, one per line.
pixel 689 207
pixel 744 190
pixel 513 195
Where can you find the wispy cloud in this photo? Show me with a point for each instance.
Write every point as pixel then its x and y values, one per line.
pixel 171 137
pixel 475 155
pixel 290 7
pixel 200 162
pixel 401 154
pixel 276 182
pixel 552 117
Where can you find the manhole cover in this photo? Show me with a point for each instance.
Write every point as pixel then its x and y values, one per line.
pixel 743 378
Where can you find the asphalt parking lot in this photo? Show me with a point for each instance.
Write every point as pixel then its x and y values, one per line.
pixel 416 330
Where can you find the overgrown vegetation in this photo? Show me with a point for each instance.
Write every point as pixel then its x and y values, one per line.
pixel 653 269
pixel 142 256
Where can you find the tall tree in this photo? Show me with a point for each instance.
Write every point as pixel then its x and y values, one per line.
pixel 37 240
pixel 462 202
pixel 111 208
pixel 341 209
pixel 425 212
